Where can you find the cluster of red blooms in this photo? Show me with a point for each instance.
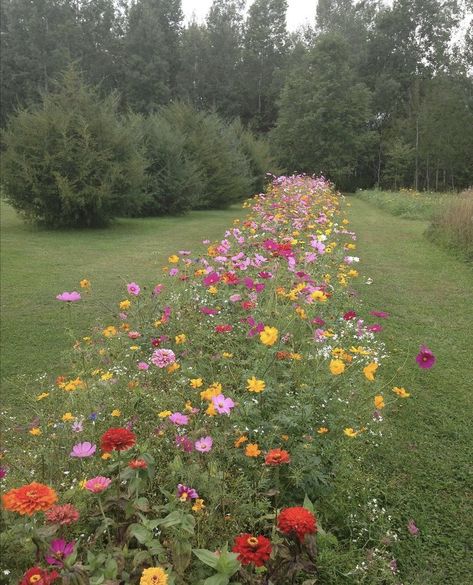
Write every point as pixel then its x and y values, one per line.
pixel 223 328
pixel 38 576
pixel 117 439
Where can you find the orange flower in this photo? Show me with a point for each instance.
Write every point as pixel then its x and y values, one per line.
pixel 240 441
pixel 29 499
pixel 277 457
pixel 252 450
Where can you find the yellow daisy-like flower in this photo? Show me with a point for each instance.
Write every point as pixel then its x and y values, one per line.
pixel 35 431
pixel 106 376
pixel 213 290
pixel 134 347
pixel 116 412
pixel 181 338
pixel 174 259
pixel 211 410
pixel 84 283
pixel 318 296
pixel 240 441
pixel 322 430
pixel 68 416
pixel 109 331
pixel 252 450
pixel 173 368
pixel 379 402
pixel 269 335
pixel 106 456
pixel 254 385
pixel 227 355
pixel 199 505
pixel 370 370
pixel 124 305
pixel 352 273
pixel 337 367
pixel 42 396
pixel 402 392
pixel 188 407
pixel 165 413
pixel 196 382
pixel 349 432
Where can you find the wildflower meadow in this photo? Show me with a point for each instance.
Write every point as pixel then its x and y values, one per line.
pixel 195 434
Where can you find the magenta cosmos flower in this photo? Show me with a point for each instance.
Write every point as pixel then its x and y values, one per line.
pixel 58 551
pixel 204 444
pixel 69 297
pixel 425 358
pixel 98 484
pixel 185 493
pixel 133 289
pixel 163 357
pixel 222 404
pixel 82 450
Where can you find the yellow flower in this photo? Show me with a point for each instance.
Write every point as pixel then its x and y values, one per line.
pixel 196 382
pixel 379 402
pixel 109 331
pixel 352 273
pixel 252 450
pixel 124 305
pixel 71 385
pixel 269 335
pixel 322 430
pixel 199 505
pixel 181 338
pixel 81 484
pixel 211 410
pixel 174 259
pixel 68 416
pixel 349 432
pixel 106 376
pixel 300 311
pixel 84 283
pixel 35 431
pixel 116 412
pixel 165 413
pixel 172 368
pixel 154 576
pixel 254 385
pixel 42 396
pixel 285 437
pixel 401 392
pixel 157 323
pixel 213 290
pixel 295 356
pixel 240 441
pixel 337 367
pixel 319 296
pixel 227 355
pixel 106 456
pixel 370 370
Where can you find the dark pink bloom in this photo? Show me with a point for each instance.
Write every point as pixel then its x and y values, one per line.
pixel 185 444
pixel 211 279
pixel 349 315
pixel 376 328
pixel 318 321
pixel 380 314
pixel 163 357
pixel 69 297
pixel 223 328
pixel 208 311
pixel 412 528
pixel 59 550
pixel 425 358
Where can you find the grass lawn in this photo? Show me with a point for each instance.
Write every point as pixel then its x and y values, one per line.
pixel 39 264
pixel 423 468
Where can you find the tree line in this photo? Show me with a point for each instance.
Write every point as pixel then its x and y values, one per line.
pixel 371 94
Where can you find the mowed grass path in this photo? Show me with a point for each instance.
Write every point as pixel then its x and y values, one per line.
pixel 424 467
pixel 38 264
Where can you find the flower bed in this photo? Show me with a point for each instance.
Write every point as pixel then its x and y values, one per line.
pixel 196 430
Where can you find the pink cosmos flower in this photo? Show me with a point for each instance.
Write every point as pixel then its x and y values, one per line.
pixel 173 271
pixel 163 357
pixel 98 484
pixel 133 289
pixel 376 328
pixel 211 279
pixel 58 551
pixel 380 314
pixel 185 492
pixel 222 404
pixel 425 358
pixel 143 366
pixel 412 528
pixel 179 419
pixel 208 311
pixel 204 444
pixel 69 297
pixel 235 298
pixel 82 450
pixel 349 315
pixel 134 334
pixel 158 289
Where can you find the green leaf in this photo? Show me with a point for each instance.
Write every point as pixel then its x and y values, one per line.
pixel 172 519
pixel 227 563
pixel 206 556
pixel 140 532
pixel 308 504
pixel 217 580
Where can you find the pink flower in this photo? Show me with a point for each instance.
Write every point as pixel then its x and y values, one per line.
pixel 208 311
pixel 235 298
pixel 143 366
pixel 380 314
pixel 59 550
pixel 412 528
pixel 98 484
pixel 185 444
pixel 425 358
pixel 185 492
pixel 349 315
pixel 376 328
pixel 82 450
pixel 179 419
pixel 163 357
pixel 222 404
pixel 204 444
pixel 63 515
pixel 158 289
pixel 211 279
pixel 133 289
pixel 69 297
pixel 134 334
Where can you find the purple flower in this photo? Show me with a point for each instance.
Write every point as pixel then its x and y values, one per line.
pixel 158 289
pixel 133 289
pixel 69 297
pixel 204 444
pixel 77 426
pixel 3 471
pixel 163 357
pixel 412 528
pixel 185 493
pixel 185 444
pixel 179 419
pixel 82 450
pixel 425 358
pixel 58 551
pixel 222 404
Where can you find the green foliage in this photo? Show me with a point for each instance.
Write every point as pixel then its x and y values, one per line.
pixel 407 202
pixel 71 162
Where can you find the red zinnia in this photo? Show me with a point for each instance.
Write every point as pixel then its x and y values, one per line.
pixel 252 549
pixel 297 520
pixel 64 515
pixel 117 439
pixel 277 457
pixel 138 464
pixel 223 328
pixel 38 576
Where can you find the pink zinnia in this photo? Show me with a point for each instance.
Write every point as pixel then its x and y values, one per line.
pixel 63 515
pixel 133 289
pixel 222 404
pixel 143 366
pixel 204 444
pixel 179 419
pixel 425 358
pixel 163 357
pixel 82 450
pixel 59 550
pixel 69 297
pixel 97 484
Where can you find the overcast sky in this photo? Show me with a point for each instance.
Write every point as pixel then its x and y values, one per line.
pixel 299 11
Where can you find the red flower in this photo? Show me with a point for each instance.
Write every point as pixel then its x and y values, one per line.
pixel 297 520
pixel 38 576
pixel 64 515
pixel 117 440
pixel 138 464
pixel 251 549
pixel 223 328
pixel 277 457
pixel 349 315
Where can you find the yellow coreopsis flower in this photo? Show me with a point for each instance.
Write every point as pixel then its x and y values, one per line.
pixel 322 430
pixel 252 450
pixel 213 290
pixel 109 331
pixel 106 376
pixel 352 273
pixel 196 382
pixel 199 505
pixel 211 410
pixel 68 416
pixel 379 402
pixel 106 456
pixel 227 355
pixel 269 335
pixel 116 412
pixel 240 441
pixel 84 283
pixel 349 432
pixel 181 338
pixel 165 413
pixel 318 296
pixel 174 259
pixel 173 368
pixel 401 392
pixel 124 305
pixel 42 396
pixel 370 370
pixel 337 367
pixel 35 431
pixel 254 385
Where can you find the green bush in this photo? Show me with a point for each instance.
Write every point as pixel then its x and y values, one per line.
pixel 71 162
